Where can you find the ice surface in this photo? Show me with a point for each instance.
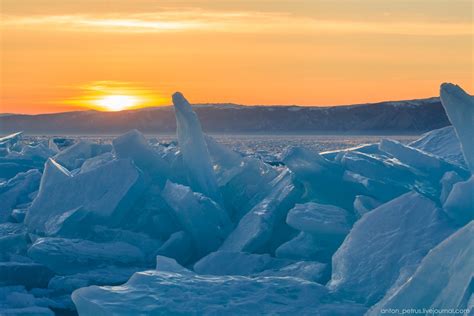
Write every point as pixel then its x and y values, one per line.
pixel 443 279
pixel 104 276
pixel 53 173
pixel 364 204
pixel 148 245
pixel 100 193
pixel 385 245
pixel 95 162
pixel 243 181
pixel 37 152
pixel 15 300
pixel 13 240
pixel 306 270
pixel 323 179
pixel 133 145
pixel 205 221
pixel 306 246
pixel 460 202
pixel 443 143
pixel 411 156
pixel 237 263
pixel 66 256
pixel 9 140
pixel 383 178
pixel 183 292
pixel 179 246
pixel 319 219
pixel 384 189
pixel 28 274
pixel 459 107
pixel 194 149
pixel 447 182
pixel 246 185
pixel 16 190
pixel 73 157
pixel 258 230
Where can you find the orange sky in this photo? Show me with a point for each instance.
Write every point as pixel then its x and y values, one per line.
pixel 66 55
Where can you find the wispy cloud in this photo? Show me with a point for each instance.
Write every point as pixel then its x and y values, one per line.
pixel 232 22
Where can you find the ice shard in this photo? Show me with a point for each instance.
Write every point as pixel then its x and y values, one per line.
pixel 194 149
pixel 443 280
pixel 385 244
pixel 459 107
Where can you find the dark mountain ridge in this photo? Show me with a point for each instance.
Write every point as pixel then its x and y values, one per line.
pixel 393 117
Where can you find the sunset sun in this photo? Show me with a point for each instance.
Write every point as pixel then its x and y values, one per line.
pixel 117 102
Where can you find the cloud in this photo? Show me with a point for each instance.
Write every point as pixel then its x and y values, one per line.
pixel 229 22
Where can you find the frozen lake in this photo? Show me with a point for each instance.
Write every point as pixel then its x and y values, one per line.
pixel 271 144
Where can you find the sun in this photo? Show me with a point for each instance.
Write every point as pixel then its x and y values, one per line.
pixel 117 102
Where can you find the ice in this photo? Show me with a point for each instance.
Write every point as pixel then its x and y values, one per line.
pixel 36 152
pixel 364 204
pixel 259 230
pixel 243 181
pixel 149 246
pixel 53 173
pixel 150 214
pixel 242 263
pixel 73 157
pixel 179 246
pixel 237 263
pixel 443 279
pixel 460 202
pixel 387 244
pixel 194 150
pixel 13 240
pixel 96 162
pixel 205 221
pixel 459 107
pixel 99 193
pixel 443 143
pixel 15 300
pixel 323 230
pixel 53 146
pixel 322 178
pixel 246 185
pixel 183 292
pixel 66 256
pixel 384 179
pixel 104 276
pixel 16 190
pixel 133 145
pixel 447 182
pixel 223 159
pixel 384 190
pixel 412 156
pixel 28 274
pixel 9 140
pixel 306 270
pixel 319 219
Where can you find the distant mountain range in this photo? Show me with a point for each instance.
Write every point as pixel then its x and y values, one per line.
pixel 399 117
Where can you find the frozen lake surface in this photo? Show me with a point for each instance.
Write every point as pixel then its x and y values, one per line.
pixel 269 147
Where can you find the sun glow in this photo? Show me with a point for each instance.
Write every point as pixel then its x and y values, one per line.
pixel 117 102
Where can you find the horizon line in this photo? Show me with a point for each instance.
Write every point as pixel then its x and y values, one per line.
pixel 221 103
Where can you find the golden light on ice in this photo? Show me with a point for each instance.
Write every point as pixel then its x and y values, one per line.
pixel 117 102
